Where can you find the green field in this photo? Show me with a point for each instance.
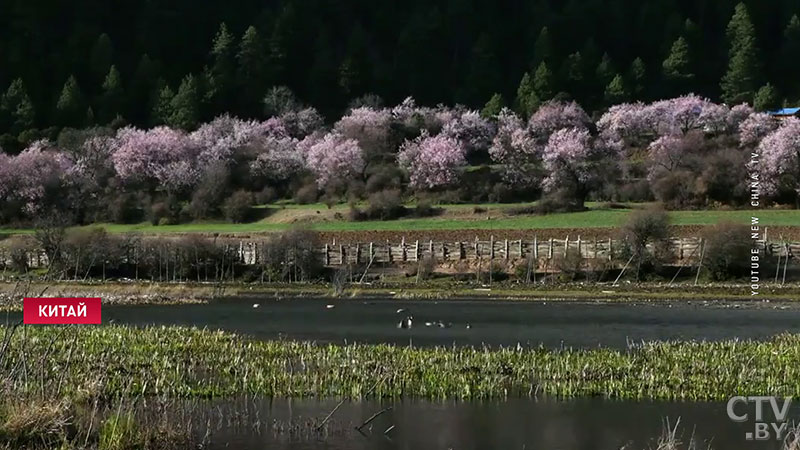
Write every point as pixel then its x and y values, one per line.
pixel 455 217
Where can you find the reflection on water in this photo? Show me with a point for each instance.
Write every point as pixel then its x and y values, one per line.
pixel 514 424
pixel 552 324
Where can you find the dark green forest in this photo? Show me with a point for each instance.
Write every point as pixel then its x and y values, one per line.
pixel 88 62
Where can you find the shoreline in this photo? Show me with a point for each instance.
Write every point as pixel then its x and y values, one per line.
pixel 121 293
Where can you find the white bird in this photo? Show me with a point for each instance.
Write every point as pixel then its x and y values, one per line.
pixel 401 310
pixel 330 306
pixel 469 326
pixel 429 324
pixel 256 305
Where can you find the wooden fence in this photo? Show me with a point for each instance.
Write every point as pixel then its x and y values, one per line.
pixel 248 252
pixel 334 254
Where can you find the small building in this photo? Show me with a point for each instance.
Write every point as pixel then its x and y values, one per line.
pixel 784 113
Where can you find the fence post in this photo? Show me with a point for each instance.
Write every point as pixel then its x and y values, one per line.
pixel 403 244
pixel 491 247
pixel 506 251
pixel 327 256
pixel 416 249
pixel 550 252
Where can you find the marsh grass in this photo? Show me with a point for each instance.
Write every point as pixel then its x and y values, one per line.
pixel 179 362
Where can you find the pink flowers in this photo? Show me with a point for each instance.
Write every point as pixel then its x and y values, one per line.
pixel 161 153
pixel 278 159
pixel 780 158
pixel 567 159
pixel 31 174
pixel 472 130
pixel 370 127
pixel 432 161
pixel 335 156
pixel 755 127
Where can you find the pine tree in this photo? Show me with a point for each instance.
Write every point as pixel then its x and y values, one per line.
pixel 572 72
pixel 677 65
pixel 482 77
pixel 353 71
pixel 185 105
pixel 493 106
pixel 605 70
pixel 790 58
pixel 323 78
pixel 71 105
pixel 252 72
pixel 543 47
pixel 526 96
pixel 220 77
pixel 144 92
pixel 101 58
pixel 766 98
pixel 162 110
pixel 111 101
pixel 615 91
pixel 16 108
pixel 739 83
pixel 543 82
pixel 636 75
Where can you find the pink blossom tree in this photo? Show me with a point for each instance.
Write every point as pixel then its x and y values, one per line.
pixel 218 140
pixel 334 157
pixel 780 159
pixel 666 154
pixel 572 163
pixel 161 154
pixel 755 127
pixel 370 127
pixel 432 161
pixel 472 130
pixel 278 159
pixel 554 116
pixel 39 172
pixel 737 115
pixel 516 151
pixel 628 125
pixel 683 114
pixel 300 124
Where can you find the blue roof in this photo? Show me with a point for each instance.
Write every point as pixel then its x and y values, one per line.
pixel 784 112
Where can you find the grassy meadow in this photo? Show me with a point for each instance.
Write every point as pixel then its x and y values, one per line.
pixel 319 217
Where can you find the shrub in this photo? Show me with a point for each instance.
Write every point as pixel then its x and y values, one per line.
pixel 237 207
pixel 291 256
pixel 18 252
pixel 384 178
pixel 727 251
pixel 385 205
pixel 122 208
pixel 159 213
pixel 570 265
pixel 425 268
pixel 266 196
pixel 424 209
pixel 306 194
pixel 645 238
pixel 675 189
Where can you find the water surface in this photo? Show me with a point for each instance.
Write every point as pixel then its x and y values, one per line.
pixel 494 323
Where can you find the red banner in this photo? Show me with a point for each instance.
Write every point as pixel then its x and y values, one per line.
pixel 52 311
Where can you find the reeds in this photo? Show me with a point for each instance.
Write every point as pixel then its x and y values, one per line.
pixel 190 362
